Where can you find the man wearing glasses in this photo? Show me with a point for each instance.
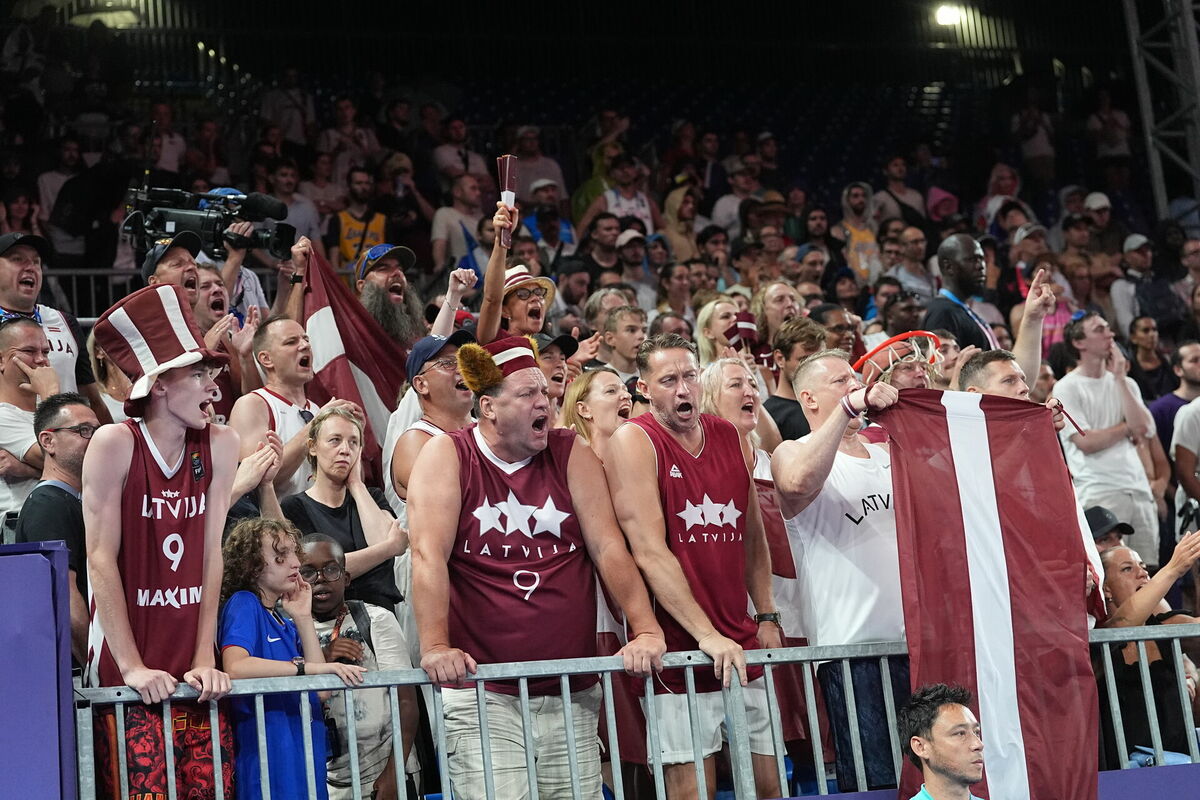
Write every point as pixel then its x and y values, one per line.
pixel 25 375
pixel 64 424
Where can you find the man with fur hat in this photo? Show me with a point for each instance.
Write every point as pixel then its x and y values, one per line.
pixel 470 491
pixel 155 493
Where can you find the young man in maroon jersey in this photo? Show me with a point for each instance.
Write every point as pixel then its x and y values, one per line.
pixel 683 493
pixel 155 493
pixel 510 521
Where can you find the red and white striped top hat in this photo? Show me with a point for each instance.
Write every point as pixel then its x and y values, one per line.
pixel 149 332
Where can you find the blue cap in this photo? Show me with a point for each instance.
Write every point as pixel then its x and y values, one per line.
pixel 429 346
pixel 804 250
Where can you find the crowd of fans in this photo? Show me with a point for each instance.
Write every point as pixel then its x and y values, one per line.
pixel 703 285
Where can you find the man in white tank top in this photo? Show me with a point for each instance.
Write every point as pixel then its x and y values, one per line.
pixel 22 257
pixel 835 494
pixel 624 200
pixel 282 350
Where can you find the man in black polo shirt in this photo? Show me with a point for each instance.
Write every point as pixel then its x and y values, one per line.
pixel 964 270
pixel 64 424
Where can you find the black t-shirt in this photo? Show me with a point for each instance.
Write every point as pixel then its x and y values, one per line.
pixel 945 313
pixel 51 514
pixel 378 584
pixel 788 416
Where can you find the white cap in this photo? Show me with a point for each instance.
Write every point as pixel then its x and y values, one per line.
pixel 542 183
pixel 1096 201
pixel 1134 241
pixel 628 236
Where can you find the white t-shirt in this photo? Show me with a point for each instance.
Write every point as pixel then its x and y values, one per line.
pixel 448 223
pixel 372 710
pixel 1095 403
pixel 846 555
pixel 1187 436
pixel 725 214
pixel 16 436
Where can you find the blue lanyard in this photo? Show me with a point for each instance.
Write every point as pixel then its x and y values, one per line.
pixel 978 320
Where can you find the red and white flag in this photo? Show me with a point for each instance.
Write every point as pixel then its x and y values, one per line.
pixel 354 359
pixel 992 568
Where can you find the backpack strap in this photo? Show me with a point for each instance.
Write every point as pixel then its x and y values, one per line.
pixel 362 620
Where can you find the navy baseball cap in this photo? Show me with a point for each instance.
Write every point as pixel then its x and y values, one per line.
pixel 10 240
pixel 429 346
pixel 566 343
pixel 188 240
pixel 379 252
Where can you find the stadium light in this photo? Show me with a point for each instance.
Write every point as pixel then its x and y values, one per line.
pixel 948 15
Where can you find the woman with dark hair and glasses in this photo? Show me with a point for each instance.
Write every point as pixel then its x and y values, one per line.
pixel 340 505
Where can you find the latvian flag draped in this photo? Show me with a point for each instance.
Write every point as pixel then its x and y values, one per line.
pixel 354 359
pixel 992 568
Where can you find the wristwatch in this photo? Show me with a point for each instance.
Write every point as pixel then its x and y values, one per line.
pixel 296 278
pixel 299 662
pixel 772 616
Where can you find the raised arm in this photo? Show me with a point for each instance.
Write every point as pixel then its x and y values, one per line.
pixel 434 503
pixel 460 281
pixel 800 469
pixel 493 279
pixel 1141 604
pixel 1038 305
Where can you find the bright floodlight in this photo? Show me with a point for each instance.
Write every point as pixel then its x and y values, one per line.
pixel 948 15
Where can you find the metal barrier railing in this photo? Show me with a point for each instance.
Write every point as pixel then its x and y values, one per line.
pixel 90 700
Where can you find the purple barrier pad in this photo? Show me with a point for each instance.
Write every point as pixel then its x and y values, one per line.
pixel 28 653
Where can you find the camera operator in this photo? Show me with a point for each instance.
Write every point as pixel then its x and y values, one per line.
pixel 245 288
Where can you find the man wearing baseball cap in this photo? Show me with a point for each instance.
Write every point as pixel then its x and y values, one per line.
pixel 173 261
pixel 1143 293
pixel 156 490
pixel 22 257
pixel 1108 233
pixel 511 520
pixel 384 291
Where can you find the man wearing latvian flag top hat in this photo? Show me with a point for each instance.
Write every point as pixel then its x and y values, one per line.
pixel 156 489
pixel 510 520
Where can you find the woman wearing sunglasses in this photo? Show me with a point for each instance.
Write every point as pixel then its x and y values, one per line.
pixel 513 299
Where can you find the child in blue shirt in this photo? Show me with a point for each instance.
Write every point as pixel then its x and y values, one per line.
pixel 262 567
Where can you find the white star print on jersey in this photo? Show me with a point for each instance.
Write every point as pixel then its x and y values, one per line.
pixel 709 512
pixel 517 516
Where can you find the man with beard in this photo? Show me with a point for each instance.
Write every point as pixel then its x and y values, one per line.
pixel 63 424
pixel 631 250
pixel 384 291
pixel 602 234
pixel 856 230
pixel 574 286
pixel 816 226
pixel 358 227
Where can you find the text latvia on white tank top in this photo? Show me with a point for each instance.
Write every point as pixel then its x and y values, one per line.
pixel 287 422
pixel 62 347
pixel 844 546
pixel 636 206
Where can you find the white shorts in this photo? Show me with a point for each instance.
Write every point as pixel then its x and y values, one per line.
pixel 675 726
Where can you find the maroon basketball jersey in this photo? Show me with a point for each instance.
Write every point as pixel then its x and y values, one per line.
pixel 162 556
pixel 522 586
pixel 704 501
pixel 225 396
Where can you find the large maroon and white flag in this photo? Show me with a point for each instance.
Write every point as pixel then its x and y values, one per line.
pixel 993 573
pixel 354 359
